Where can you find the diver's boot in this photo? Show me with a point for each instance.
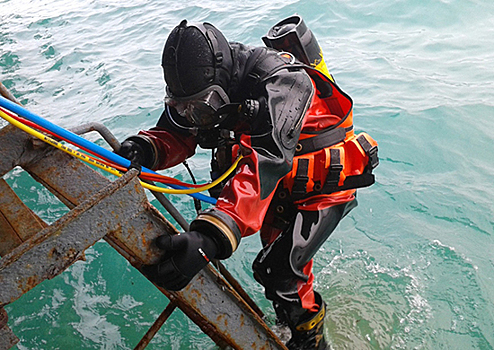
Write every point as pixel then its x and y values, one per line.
pixel 308 334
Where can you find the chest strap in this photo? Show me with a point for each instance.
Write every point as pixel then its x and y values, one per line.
pixel 326 139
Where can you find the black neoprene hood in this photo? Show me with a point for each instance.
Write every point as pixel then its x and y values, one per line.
pixel 195 57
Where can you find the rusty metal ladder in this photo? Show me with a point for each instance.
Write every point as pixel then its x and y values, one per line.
pixel 32 251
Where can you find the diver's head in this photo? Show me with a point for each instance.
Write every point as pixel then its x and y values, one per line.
pixel 197 63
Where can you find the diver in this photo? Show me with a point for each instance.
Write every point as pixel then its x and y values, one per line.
pixel 278 107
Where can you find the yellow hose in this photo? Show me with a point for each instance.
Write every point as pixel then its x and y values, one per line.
pixel 109 169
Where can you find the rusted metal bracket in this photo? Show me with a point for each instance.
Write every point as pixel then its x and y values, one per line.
pixel 53 249
pixel 129 223
pixel 160 321
pixel 7 338
pixel 100 129
pixel 17 221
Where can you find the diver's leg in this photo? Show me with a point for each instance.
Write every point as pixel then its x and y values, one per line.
pixel 284 268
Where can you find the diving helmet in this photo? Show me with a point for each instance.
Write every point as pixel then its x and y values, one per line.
pixel 197 64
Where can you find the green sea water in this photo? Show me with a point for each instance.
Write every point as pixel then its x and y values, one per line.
pixel 411 268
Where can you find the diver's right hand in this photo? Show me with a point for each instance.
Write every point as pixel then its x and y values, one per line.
pixel 132 151
pixel 138 150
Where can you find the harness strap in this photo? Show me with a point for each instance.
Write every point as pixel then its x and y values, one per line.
pixel 357 181
pixel 334 171
pixel 320 141
pixel 370 150
pixel 301 178
pixel 335 168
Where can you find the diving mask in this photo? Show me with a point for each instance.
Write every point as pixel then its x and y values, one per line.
pixel 200 109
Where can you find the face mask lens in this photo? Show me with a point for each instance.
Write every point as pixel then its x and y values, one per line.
pixel 180 107
pixel 200 109
pixel 200 113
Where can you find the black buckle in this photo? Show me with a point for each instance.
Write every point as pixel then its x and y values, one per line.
pixel 373 157
pixel 301 178
pixel 333 177
pixel 300 185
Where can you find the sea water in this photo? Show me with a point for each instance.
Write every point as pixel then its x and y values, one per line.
pixel 412 267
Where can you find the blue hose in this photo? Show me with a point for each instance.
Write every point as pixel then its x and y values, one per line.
pixel 83 143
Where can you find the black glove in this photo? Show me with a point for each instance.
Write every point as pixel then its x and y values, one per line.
pixel 186 254
pixel 139 150
pixel 132 151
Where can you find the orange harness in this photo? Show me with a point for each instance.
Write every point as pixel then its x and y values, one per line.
pixel 329 156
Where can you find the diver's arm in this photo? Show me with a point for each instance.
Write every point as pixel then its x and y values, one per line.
pixel 165 145
pixel 171 148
